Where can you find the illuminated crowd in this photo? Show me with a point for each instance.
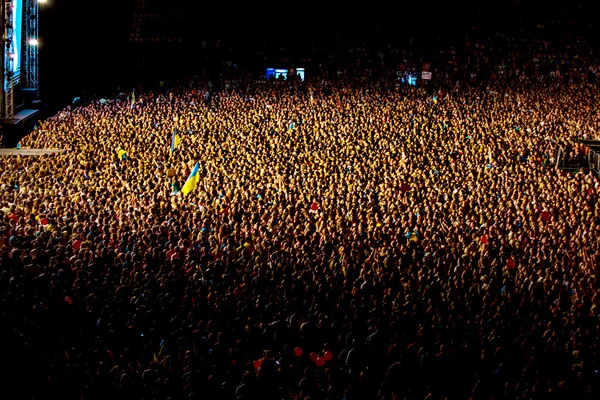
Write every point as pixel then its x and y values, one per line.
pixel 348 243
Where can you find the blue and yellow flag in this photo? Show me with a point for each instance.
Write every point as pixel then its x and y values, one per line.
pixel 192 181
pixel 132 99
pixel 174 141
pixel 121 154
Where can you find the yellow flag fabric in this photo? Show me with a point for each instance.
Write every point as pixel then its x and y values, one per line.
pixel 175 139
pixel 192 180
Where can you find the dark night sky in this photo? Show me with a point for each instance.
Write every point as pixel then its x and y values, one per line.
pixel 85 46
pixel 76 38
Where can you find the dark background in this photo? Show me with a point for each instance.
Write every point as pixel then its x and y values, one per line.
pixel 81 46
pixel 86 47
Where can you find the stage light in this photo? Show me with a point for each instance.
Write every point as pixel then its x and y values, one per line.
pixel 33 42
pixel 42 1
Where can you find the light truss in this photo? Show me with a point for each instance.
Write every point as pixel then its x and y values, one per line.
pixel 30 63
pixel 8 104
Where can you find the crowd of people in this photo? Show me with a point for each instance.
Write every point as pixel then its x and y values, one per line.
pixel 354 241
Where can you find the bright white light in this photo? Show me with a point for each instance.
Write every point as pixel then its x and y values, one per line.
pixel 42 1
pixel 33 42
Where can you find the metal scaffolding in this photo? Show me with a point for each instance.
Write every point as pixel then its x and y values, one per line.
pixel 8 104
pixel 30 63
